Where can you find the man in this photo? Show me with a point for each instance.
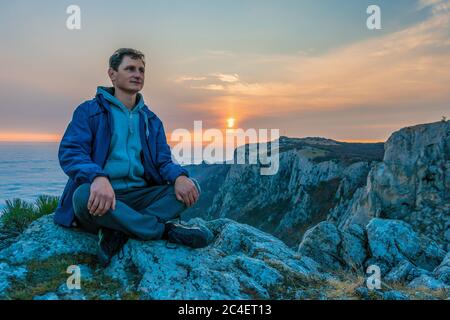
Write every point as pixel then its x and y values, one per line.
pixel 122 180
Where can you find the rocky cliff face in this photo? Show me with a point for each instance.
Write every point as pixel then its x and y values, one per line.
pixel 321 179
pixel 412 184
pixel 315 175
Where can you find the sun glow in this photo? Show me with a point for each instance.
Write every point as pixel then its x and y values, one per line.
pixel 230 122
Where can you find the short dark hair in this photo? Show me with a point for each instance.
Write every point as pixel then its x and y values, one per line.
pixel 116 59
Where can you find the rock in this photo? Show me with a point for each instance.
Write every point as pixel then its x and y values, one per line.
pixel 392 242
pixel 354 246
pixel 8 273
pixel 363 293
pixel 65 293
pixel 405 271
pixel 242 262
pixel 44 239
pixel 442 272
pixel 425 281
pixel 412 183
pixel 321 244
pixel 394 295
pixel 47 296
pixel 311 294
pixel 333 249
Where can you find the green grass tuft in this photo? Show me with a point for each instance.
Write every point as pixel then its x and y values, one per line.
pixel 46 204
pixel 18 214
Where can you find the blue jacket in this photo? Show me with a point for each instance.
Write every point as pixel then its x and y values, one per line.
pixel 85 145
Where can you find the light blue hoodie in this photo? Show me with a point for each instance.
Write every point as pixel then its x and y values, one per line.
pixel 123 164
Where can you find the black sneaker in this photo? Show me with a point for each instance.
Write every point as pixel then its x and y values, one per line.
pixel 110 242
pixel 193 237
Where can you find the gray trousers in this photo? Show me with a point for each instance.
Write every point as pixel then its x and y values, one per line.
pixel 140 212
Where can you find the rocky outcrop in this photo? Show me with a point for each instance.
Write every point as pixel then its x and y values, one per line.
pixel 392 242
pixel 306 188
pixel 401 254
pixel 411 184
pixel 241 263
pixel 321 179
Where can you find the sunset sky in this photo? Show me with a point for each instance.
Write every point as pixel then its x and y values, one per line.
pixel 308 68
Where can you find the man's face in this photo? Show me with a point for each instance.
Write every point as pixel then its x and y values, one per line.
pixel 130 75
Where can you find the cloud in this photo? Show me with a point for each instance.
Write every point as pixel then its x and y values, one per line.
pixel 226 77
pixel 188 78
pixel 211 87
pixel 402 71
pixel 437 6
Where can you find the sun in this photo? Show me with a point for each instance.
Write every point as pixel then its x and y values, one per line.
pixel 230 122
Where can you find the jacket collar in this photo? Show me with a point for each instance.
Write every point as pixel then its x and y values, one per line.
pixel 145 110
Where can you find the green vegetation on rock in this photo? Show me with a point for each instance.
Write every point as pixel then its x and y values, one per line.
pixel 49 275
pixel 19 214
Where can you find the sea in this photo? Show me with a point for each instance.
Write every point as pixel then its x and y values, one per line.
pixel 28 170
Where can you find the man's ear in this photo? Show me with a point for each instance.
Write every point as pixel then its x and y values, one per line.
pixel 112 74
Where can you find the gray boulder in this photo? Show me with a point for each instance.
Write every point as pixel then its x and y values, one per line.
pixel 428 282
pixel 392 242
pixel 334 249
pixel 442 272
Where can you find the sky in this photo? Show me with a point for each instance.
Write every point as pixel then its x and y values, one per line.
pixel 307 68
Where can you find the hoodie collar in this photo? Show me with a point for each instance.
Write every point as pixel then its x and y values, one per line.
pixel 108 94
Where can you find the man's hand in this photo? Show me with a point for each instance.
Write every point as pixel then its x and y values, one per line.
pixel 186 191
pixel 102 197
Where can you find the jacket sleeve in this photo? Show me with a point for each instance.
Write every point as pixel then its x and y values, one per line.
pixel 169 170
pixel 75 150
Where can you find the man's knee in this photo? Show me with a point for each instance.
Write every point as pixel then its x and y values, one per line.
pixel 81 198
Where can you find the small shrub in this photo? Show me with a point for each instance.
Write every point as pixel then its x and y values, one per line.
pixel 18 214
pixel 46 204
